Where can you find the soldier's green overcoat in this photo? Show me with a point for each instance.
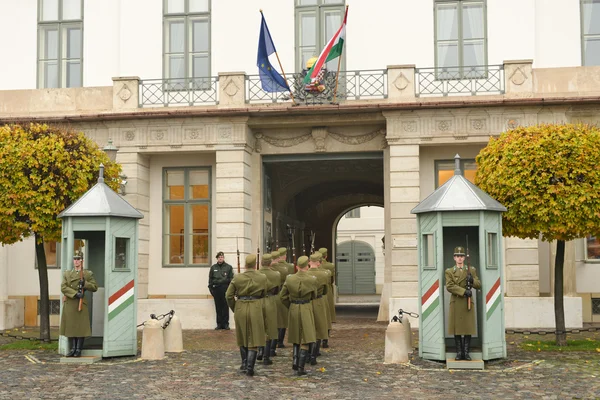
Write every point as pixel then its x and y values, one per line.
pixel 331 292
pixel 291 268
pixel 282 311
pixel 75 323
pixel 320 306
pixel 301 325
pixel 270 302
pixel 248 314
pixel 461 321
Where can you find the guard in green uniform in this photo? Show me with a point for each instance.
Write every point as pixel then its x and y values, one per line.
pixel 283 255
pixel 282 314
pixel 75 323
pixel 270 308
pixel 331 290
pixel 320 306
pixel 297 294
pixel 461 322
pixel 250 287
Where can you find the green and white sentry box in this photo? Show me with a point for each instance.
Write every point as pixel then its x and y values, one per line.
pixel 108 225
pixel 460 214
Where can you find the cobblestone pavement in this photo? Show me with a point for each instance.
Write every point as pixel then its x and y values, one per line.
pixel 352 368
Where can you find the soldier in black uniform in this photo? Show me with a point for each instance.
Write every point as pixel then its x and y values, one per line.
pixel 219 277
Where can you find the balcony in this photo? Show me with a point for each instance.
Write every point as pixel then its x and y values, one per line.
pixel 404 86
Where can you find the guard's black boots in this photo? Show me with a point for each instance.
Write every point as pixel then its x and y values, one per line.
pixel 79 347
pixel 244 355
pixel 319 347
pixel 73 345
pixel 314 351
pixel 261 352
pixel 459 351
pixel 251 361
pixel 301 362
pixel 325 343
pixel 267 360
pixel 295 356
pixel 273 347
pixel 280 339
pixel 466 347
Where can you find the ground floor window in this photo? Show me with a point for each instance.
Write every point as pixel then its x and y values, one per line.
pixel 596 306
pixel 187 216
pixel 593 248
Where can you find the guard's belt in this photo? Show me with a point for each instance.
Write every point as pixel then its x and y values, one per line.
pixel 249 297
pixel 273 291
pixel 319 296
pixel 300 301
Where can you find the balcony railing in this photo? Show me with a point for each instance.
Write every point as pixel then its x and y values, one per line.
pixel 456 81
pixel 179 92
pixel 351 85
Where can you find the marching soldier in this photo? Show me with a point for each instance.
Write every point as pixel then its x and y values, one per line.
pixel 75 323
pixel 282 315
pixel 297 294
pixel 283 255
pixel 330 292
pixel 250 287
pixel 320 307
pixel 461 322
pixel 270 308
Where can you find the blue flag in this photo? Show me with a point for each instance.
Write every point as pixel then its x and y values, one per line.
pixel 270 79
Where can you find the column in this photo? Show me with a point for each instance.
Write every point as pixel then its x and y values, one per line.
pixel 3 286
pixel 234 203
pixel 136 168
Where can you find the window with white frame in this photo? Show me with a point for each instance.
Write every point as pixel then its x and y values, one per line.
pixel 444 170
pixel 460 38
pixel 592 247
pixel 60 43
pixel 590 32
pixel 316 22
pixel 186 205
pixel 186 33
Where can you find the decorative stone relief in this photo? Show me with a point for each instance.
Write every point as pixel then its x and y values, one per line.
pixel 224 134
pixel 231 89
pixel 194 134
pixel 319 135
pixel 129 136
pixel 401 82
pixel 512 123
pixel 460 137
pixel 356 140
pixel 277 142
pixel 444 126
pixel 478 124
pixel 384 143
pixel 124 93
pixel 159 135
pixel 518 77
pixel 409 126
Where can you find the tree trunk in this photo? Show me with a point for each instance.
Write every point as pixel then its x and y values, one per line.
pixel 559 303
pixel 44 297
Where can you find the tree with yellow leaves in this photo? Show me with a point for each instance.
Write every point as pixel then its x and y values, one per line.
pixel 43 170
pixel 548 177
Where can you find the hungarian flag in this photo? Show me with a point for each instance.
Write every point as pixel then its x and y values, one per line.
pixel 330 52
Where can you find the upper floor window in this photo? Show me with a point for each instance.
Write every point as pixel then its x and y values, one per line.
pixel 186 34
pixel 60 43
pixel 592 248
pixel 444 170
pixel 353 213
pixel 316 22
pixel 186 232
pixel 460 38
pixel 590 31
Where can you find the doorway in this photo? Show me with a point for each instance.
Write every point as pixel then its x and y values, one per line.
pixel 355 264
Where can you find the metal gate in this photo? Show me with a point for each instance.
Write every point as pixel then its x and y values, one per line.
pixel 355 266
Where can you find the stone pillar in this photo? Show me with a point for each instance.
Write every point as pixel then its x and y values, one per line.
pixel 518 78
pixel 384 305
pixel 401 82
pixel 232 91
pixel 522 267
pixel 126 92
pixel 136 168
pixel 3 286
pixel 234 203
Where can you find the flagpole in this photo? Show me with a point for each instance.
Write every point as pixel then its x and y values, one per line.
pixel 337 75
pixel 282 71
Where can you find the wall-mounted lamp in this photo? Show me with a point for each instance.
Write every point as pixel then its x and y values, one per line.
pixel 111 150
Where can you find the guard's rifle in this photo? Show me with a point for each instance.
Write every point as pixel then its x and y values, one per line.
pixel 312 241
pixel 237 244
pixel 294 260
pixel 80 288
pixel 257 257
pixel 469 276
pixel 276 237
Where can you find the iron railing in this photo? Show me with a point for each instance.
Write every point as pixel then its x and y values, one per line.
pixel 453 81
pixel 179 91
pixel 351 85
